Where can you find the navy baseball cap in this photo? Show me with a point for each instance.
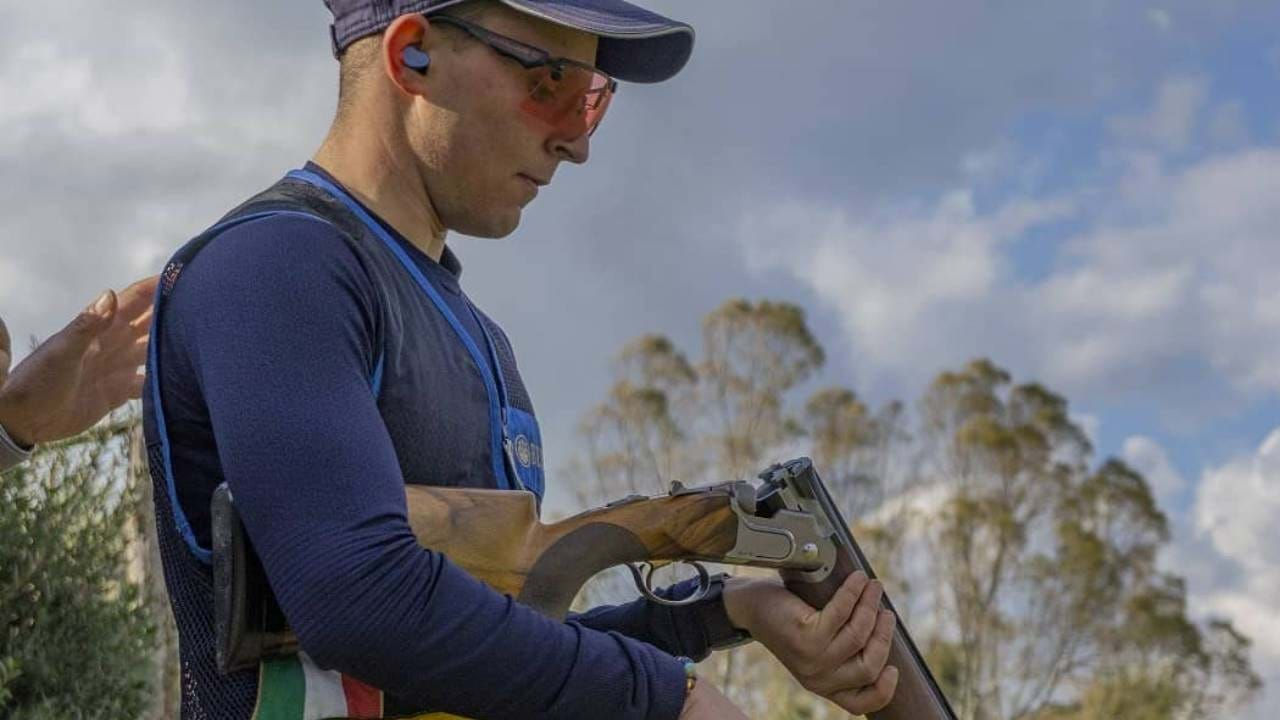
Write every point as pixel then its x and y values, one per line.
pixel 635 44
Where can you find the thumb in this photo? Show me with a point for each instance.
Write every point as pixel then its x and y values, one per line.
pixel 86 325
pixel 105 306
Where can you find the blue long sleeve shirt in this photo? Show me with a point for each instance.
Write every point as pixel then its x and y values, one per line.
pixel 267 345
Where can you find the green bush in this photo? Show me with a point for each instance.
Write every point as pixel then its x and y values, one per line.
pixel 75 636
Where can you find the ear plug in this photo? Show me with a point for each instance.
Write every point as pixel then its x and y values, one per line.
pixel 416 60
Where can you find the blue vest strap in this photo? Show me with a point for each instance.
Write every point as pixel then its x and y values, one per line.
pixel 497 446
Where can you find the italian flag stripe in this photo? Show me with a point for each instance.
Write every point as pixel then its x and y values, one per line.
pixel 281 690
pixel 297 689
pixel 324 692
pixel 363 701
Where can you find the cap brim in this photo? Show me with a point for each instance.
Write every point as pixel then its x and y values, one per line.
pixel 636 45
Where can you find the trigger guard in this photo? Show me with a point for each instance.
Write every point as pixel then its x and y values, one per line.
pixel 644 583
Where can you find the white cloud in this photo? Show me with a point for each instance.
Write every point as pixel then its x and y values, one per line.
pixel 118 148
pixel 899 282
pixel 1175 271
pixel 75 83
pixel 1102 317
pixel 1171 121
pixel 1223 542
pixel 1162 298
pixel 1160 18
pixel 1237 506
pixel 1149 458
pixel 1227 124
pixel 1235 513
pixel 1091 424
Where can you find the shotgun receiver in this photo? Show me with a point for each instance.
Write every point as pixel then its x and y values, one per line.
pixel 788 522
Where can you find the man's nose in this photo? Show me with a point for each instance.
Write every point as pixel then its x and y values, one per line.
pixel 575 150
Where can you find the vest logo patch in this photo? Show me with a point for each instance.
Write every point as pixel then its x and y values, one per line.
pixel 528 453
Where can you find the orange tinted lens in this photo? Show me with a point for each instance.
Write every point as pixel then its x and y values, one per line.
pixel 573 99
pixel 597 100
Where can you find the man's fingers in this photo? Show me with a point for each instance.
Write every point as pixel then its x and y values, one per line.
pixel 852 638
pixel 876 653
pixel 863 620
pixel 872 697
pixel 841 605
pixel 861 666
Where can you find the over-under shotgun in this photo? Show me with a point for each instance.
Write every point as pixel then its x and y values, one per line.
pixel 789 522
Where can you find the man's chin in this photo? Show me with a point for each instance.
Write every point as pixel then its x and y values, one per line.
pixel 498 225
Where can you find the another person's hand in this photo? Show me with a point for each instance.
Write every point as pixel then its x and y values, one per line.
pixel 706 702
pixel 82 372
pixel 838 652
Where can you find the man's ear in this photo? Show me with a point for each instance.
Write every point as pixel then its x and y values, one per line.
pixel 405 52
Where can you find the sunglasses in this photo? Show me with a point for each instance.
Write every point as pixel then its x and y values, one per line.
pixel 566 94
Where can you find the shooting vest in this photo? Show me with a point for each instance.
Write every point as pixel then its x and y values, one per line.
pixel 414 322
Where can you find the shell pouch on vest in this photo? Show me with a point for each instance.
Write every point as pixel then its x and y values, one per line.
pixel 295 688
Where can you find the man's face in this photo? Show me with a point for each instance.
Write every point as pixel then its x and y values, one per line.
pixel 483 157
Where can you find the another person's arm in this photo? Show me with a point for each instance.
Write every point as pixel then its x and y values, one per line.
pixel 77 376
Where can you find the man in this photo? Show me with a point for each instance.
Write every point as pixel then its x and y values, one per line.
pixel 315 350
pixel 77 376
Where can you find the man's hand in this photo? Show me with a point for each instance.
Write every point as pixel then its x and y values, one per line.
pixel 81 373
pixel 706 702
pixel 838 652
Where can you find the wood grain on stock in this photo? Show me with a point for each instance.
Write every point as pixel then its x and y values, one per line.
pixel 496 536
pixel 914 699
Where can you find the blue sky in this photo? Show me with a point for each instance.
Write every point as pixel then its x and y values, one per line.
pixel 1087 192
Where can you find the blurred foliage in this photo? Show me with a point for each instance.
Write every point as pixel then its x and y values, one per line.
pixel 78 637
pixel 1026 568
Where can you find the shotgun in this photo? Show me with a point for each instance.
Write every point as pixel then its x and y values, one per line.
pixel 788 522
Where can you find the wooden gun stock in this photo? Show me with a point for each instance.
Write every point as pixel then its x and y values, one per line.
pixel 495 535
